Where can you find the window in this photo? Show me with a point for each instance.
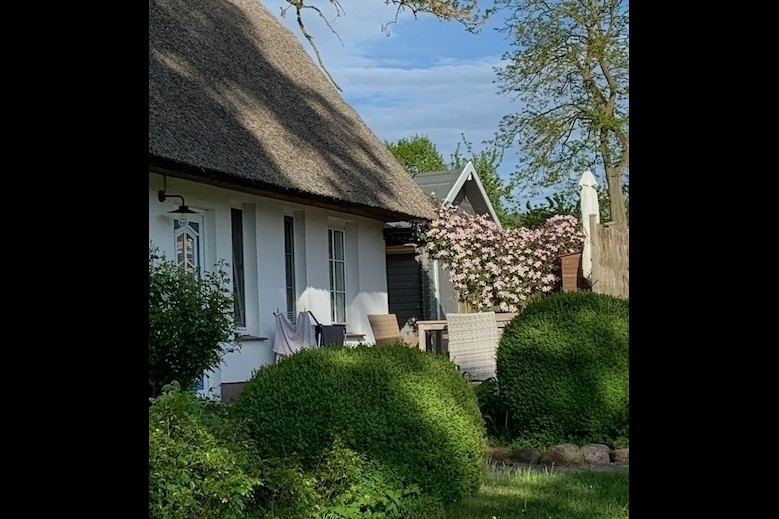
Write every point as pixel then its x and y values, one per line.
pixel 337 275
pixel 188 245
pixel 289 266
pixel 239 293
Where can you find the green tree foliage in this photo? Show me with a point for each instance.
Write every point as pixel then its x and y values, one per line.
pixel 417 154
pixel 535 216
pixel 568 68
pixel 189 318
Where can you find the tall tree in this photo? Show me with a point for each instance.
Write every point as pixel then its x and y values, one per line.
pixel 535 216
pixel 568 68
pixel 417 154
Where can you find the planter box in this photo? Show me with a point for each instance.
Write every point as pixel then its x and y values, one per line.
pixel 573 279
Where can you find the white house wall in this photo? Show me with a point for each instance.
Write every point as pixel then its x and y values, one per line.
pixel 264 261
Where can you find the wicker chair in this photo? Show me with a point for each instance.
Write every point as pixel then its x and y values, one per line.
pixel 473 341
pixel 385 329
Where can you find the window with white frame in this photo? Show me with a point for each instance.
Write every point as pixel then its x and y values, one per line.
pixel 189 248
pixel 337 260
pixel 239 292
pixel 289 267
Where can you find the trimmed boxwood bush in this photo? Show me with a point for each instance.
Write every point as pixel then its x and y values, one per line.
pixel 341 485
pixel 562 365
pixel 200 463
pixel 408 411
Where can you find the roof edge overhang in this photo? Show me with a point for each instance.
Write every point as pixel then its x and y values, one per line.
pixel 171 168
pixel 467 171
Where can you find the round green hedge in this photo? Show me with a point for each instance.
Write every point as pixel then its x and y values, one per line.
pixel 562 365
pixel 404 409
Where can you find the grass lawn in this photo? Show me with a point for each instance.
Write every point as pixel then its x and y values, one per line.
pixel 533 494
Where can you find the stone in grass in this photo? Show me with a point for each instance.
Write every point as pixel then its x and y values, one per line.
pixel 498 453
pixel 527 455
pixel 620 455
pixel 596 454
pixel 563 454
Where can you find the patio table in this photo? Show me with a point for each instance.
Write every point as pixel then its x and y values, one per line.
pixel 428 326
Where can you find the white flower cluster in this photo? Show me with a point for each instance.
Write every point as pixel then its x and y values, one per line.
pixel 501 269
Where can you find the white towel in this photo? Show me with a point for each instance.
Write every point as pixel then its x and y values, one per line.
pixel 291 338
pixel 305 331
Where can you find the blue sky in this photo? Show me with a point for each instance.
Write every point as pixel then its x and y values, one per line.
pixel 427 77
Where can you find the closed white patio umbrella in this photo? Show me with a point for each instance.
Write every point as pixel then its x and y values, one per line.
pixel 588 203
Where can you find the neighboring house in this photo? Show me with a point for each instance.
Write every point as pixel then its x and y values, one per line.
pixel 419 287
pixel 288 183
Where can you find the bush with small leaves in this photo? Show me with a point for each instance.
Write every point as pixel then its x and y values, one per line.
pixel 563 370
pixel 201 464
pixel 189 319
pixel 405 412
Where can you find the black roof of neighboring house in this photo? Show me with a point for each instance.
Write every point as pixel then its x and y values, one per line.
pixel 452 185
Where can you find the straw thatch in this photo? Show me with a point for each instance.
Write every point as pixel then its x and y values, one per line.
pixel 235 101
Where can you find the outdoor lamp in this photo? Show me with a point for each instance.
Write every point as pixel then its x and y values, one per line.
pixel 182 212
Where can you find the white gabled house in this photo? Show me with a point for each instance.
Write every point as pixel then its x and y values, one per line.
pixel 287 182
pixel 419 287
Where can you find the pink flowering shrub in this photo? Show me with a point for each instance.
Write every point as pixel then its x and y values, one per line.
pixel 501 270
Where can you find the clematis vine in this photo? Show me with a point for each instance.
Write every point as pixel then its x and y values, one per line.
pixel 501 269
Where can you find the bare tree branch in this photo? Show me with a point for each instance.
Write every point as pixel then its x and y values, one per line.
pixel 463 11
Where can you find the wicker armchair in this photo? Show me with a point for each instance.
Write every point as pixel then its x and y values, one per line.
pixel 385 329
pixel 473 341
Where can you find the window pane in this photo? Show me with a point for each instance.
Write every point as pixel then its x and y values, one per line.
pixel 239 297
pixel 187 241
pixel 289 263
pixel 339 277
pixel 288 269
pixel 290 303
pixel 340 306
pixel 339 245
pixel 180 250
pixel 287 234
pixel 337 272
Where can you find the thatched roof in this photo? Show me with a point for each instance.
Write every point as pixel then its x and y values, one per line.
pixel 235 101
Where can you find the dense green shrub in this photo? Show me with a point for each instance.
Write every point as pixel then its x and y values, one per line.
pixel 493 409
pixel 405 412
pixel 563 369
pixel 201 464
pixel 341 485
pixel 189 316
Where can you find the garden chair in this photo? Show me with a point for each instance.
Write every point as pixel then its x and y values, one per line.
pixel 386 330
pixel 473 342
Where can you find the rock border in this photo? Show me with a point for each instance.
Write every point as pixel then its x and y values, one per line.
pixel 593 456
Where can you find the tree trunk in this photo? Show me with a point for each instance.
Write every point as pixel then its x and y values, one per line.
pixel 617 198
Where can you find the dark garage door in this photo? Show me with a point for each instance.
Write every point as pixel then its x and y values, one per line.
pixel 404 287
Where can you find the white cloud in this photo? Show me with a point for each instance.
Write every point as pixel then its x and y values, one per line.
pixel 427 78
